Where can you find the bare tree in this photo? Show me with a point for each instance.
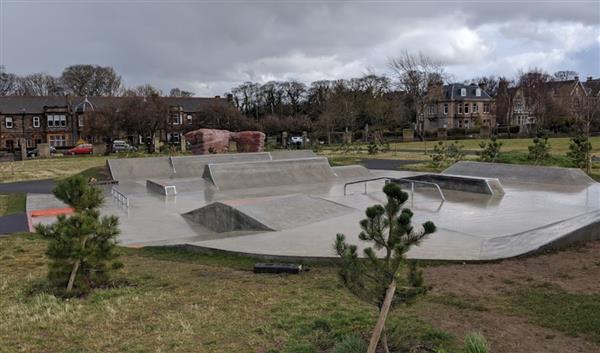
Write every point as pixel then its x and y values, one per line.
pixel 8 82
pixel 176 92
pixel 536 93
pixel 415 73
pixel 489 84
pixel 145 90
pixel 90 80
pixel 39 84
pixel 565 75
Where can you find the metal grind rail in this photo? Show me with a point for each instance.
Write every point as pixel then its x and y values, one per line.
pixel 399 180
pixel 119 197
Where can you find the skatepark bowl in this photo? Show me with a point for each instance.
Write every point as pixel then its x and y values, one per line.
pixel 289 205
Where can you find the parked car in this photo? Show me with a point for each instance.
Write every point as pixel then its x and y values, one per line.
pixel 85 148
pixel 34 152
pixel 297 140
pixel 122 146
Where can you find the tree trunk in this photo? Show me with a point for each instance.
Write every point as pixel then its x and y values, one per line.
pixel 385 308
pixel 73 274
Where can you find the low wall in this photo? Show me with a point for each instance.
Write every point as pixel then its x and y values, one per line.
pixel 140 168
pixel 193 166
pixel 269 173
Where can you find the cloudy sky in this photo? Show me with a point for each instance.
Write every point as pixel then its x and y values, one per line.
pixel 209 46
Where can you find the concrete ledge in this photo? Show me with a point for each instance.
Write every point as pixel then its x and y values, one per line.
pixel 160 187
pixel 222 218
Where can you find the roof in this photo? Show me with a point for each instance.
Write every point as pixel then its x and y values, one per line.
pixel 38 104
pixel 453 90
pixel 30 104
pixel 593 86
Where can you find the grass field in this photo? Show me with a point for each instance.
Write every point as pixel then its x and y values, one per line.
pixel 176 301
pixel 12 203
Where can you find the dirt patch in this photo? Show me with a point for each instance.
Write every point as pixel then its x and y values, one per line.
pixel 505 334
pixel 574 270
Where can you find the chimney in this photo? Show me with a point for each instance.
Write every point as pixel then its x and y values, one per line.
pixel 217 97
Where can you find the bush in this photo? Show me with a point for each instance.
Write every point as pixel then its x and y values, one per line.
pixel 444 154
pixel 580 149
pixel 539 151
pixel 372 147
pixel 490 151
pixel 476 343
pixel 350 344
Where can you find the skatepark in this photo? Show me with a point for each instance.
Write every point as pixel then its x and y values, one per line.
pixel 290 205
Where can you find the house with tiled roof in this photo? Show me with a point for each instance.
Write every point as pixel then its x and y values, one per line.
pixel 60 120
pixel 457 105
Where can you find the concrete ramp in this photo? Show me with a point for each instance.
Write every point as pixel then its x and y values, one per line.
pixel 246 175
pixel 292 154
pixel 140 168
pixel 266 213
pixel 521 173
pixel 352 171
pixel 193 166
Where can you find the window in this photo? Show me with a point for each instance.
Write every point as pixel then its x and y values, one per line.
pixel 177 119
pixel 466 108
pixel 80 120
pixel 173 137
pixel 36 121
pixel 431 109
pixel 459 108
pixel 57 121
pixel 8 122
pixel 189 119
pixel 475 108
pixel 478 92
pixel 486 107
pixel 519 107
pixel 463 92
pixel 445 108
pixel 57 140
pixel 460 123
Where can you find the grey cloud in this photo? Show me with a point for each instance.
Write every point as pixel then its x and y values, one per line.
pixel 209 45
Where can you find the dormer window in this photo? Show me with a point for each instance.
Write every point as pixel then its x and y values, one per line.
pixel 478 92
pixel 8 122
pixel 463 92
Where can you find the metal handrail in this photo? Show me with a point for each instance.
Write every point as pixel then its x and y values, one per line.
pixel 412 184
pixel 365 181
pixel 119 196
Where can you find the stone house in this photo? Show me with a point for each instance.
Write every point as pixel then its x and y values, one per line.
pixel 60 120
pixel 457 106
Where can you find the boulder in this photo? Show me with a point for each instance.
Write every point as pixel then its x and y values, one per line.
pixel 205 141
pixel 249 141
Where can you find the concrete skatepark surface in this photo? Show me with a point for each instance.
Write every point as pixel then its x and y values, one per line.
pixel 295 209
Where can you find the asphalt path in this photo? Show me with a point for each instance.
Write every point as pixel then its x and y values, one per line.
pixel 29 186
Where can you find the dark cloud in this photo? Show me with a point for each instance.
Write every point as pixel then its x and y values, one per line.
pixel 208 46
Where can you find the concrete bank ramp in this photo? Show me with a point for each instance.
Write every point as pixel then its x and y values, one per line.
pixel 193 166
pixel 266 213
pixel 140 168
pixel 352 171
pixel 521 173
pixel 246 175
pixel 292 154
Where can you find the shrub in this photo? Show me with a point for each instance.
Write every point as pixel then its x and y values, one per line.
pixel 350 344
pixel 439 154
pixel 490 151
pixel 372 147
pixel 539 151
pixel 580 149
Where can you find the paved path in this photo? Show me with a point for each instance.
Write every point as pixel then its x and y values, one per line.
pixel 30 186
pixel 14 223
pixel 387 164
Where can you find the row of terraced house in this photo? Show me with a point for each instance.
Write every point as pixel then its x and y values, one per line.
pixel 60 120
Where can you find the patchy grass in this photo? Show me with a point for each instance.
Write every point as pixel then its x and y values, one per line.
pixel 11 204
pixel 50 168
pixel 573 313
pixel 185 302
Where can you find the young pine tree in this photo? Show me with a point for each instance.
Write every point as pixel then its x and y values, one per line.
pixel 82 245
pixel 490 151
pixel 580 153
pixel 387 277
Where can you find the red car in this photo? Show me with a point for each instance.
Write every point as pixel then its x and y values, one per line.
pixel 81 149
